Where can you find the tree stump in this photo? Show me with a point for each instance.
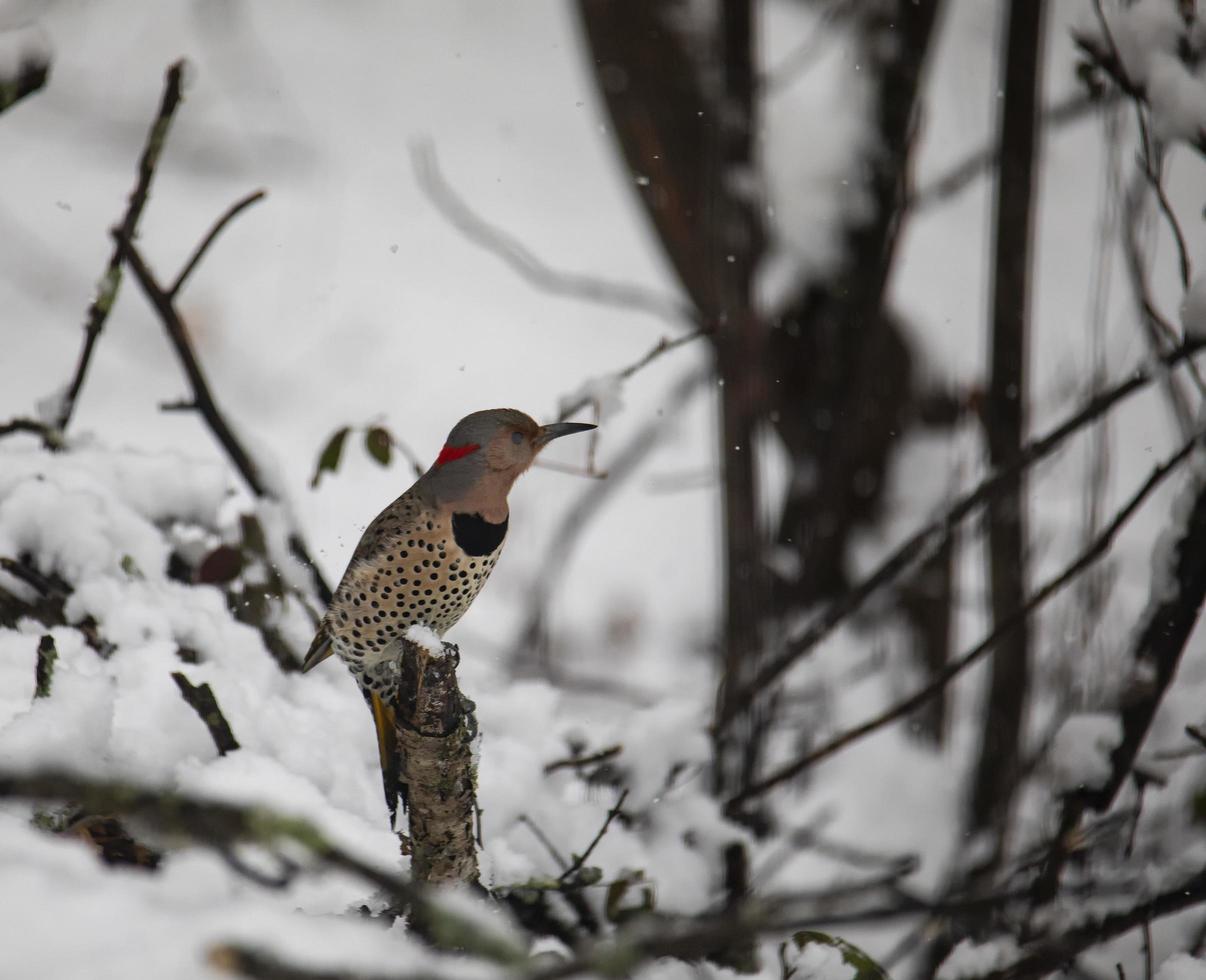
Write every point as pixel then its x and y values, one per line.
pixel 436 728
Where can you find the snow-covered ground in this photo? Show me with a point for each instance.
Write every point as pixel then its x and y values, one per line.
pixel 346 297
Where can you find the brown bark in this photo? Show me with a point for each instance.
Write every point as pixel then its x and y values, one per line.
pixel 435 730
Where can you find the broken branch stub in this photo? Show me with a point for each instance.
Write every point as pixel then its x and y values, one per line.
pixel 436 728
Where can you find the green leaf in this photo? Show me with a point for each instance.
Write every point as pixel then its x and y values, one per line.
pixel 130 566
pixel 865 968
pixel 379 444
pixel 328 459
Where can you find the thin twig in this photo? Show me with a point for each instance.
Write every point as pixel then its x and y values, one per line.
pixel 1148 160
pixel 515 254
pixel 960 175
pixel 579 860
pixel 935 534
pixel 177 332
pixel 1099 547
pixel 541 836
pixel 199 252
pixel 570 408
pixel 1049 955
pixel 580 761
pixel 110 281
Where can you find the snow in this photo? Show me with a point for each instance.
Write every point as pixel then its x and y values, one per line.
pixel 818 961
pixel 813 184
pixel 972 959
pixel 1182 966
pixel 1149 36
pixel 1080 751
pixel 426 638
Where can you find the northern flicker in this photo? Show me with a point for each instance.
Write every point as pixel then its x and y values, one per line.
pixel 425 557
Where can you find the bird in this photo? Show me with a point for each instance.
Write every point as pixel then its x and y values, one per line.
pixel 423 560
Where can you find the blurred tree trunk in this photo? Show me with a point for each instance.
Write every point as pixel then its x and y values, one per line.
pixel 683 100
pixel 848 388
pixel 995 780
pixel 1005 417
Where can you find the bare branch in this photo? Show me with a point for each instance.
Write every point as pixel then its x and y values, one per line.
pixel 515 254
pixel 50 435
pixel 110 281
pixel 579 861
pixel 1049 955
pixel 1096 550
pixel 200 698
pixel 199 252
pixel 580 761
pixel 664 345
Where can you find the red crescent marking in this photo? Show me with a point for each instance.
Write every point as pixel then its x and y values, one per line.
pixel 449 453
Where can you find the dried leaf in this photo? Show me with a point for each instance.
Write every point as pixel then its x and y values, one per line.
pixel 221 565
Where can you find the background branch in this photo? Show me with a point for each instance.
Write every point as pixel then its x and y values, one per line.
pixel 1096 550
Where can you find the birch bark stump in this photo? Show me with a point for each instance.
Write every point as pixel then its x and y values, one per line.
pixel 436 729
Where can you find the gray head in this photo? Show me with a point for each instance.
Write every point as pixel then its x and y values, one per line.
pixel 487 451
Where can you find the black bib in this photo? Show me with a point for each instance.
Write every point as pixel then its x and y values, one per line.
pixel 475 535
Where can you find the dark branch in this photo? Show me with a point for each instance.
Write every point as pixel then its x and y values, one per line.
pixel 199 252
pixel 572 406
pixel 201 699
pixel 50 435
pixel 1051 954
pixel 110 281
pixel 1161 641
pixel 580 761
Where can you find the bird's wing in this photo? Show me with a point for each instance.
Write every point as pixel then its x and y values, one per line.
pixel 319 650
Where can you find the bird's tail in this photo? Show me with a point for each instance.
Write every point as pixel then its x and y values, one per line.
pixel 387 748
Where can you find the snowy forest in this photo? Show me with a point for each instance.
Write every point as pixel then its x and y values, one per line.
pixel 851 636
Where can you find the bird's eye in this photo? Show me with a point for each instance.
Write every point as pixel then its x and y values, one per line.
pixel 517 437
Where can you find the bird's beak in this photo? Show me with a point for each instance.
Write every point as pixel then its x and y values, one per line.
pixel 556 430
